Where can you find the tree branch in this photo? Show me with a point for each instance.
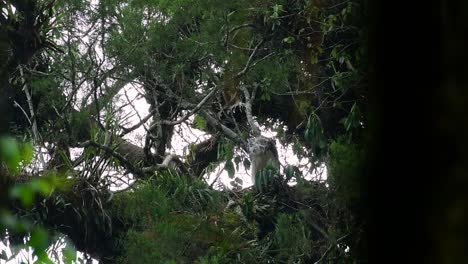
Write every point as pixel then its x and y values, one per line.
pixel 225 130
pixel 142 121
pixel 202 154
pixel 170 161
pixel 249 61
pixel 248 112
pixel 124 161
pixel 241 26
pixel 190 113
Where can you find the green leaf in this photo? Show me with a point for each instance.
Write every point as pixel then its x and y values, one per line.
pixel 230 169
pixel 238 180
pixel 277 9
pixel 237 160
pixel 3 255
pixel 280 132
pixel 353 118
pixel 308 135
pixel 322 144
pixel 69 254
pixel 232 13
pixel 39 240
pixel 265 177
pixel 42 186
pixel 289 40
pixel 9 152
pixel 42 257
pixel 226 151
pixel 23 193
pixel 292 172
pixel 246 163
pixel 200 122
pixel 27 152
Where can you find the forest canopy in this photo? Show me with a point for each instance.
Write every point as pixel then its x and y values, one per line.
pixel 228 82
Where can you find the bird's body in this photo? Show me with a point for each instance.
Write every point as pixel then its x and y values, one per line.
pixel 262 152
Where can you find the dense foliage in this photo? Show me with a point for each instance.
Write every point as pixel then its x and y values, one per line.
pixel 186 222
pixel 74 163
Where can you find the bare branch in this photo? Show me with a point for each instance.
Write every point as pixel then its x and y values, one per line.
pixel 126 163
pixel 241 26
pixel 142 121
pixel 36 136
pixel 16 104
pixel 248 112
pixel 190 113
pixel 226 131
pixel 262 59
pixel 166 164
pixel 249 61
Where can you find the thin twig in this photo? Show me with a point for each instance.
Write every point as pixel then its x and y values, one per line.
pixel 36 136
pixel 217 176
pixel 241 26
pixel 142 121
pixel 226 131
pixel 249 61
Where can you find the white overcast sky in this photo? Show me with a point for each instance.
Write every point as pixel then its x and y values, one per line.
pixel 190 135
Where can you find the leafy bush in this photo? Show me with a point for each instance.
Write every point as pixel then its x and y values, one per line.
pixel 175 220
pixel 344 166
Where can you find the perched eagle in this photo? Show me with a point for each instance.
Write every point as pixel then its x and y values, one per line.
pixel 262 152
